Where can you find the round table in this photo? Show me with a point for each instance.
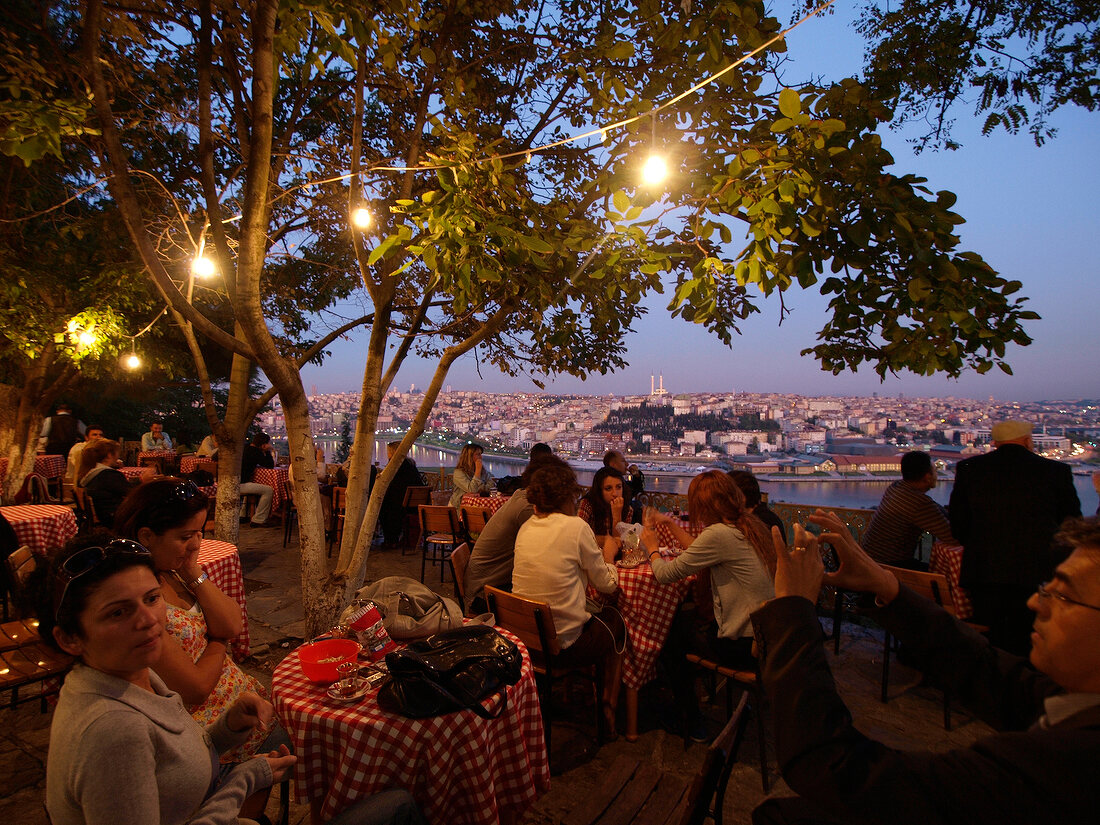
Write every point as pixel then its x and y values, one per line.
pixel 222 562
pixel 275 478
pixel 462 769
pixel 489 503
pixel 41 527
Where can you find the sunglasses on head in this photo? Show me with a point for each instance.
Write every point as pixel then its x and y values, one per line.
pixel 185 491
pixel 85 561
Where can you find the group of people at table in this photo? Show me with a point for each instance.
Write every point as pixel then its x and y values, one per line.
pixel 148 631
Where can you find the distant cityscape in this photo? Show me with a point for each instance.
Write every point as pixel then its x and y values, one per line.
pixel 769 433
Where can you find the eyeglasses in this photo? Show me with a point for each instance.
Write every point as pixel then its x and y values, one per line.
pixel 85 561
pixel 1062 597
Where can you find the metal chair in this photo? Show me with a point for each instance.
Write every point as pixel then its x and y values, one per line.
pixel 440 535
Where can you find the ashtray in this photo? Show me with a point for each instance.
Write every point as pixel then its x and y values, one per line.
pixel 626 566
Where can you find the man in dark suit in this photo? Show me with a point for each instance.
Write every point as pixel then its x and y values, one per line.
pixel 1005 508
pixel 1040 768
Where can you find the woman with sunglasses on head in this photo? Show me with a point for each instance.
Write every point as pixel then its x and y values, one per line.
pixel 121 743
pixel 167 515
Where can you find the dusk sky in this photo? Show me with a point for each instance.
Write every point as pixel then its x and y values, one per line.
pixel 1030 212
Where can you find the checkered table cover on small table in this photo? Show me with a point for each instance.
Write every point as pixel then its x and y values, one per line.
pixel 273 477
pixel 41 527
pixel 461 769
pixel 947 559
pixel 190 463
pixel 50 466
pixel 648 608
pixel 222 563
pixel 490 503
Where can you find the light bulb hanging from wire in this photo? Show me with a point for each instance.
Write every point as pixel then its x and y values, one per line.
pixel 361 217
pixel 203 267
pixel 132 361
pixel 655 169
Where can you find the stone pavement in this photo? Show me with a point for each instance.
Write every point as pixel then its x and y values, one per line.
pixel 912 719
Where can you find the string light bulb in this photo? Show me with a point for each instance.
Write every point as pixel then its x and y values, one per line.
pixel 361 218
pixel 132 361
pixel 655 170
pixel 203 267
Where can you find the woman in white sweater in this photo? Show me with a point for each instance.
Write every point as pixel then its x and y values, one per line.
pixel 557 556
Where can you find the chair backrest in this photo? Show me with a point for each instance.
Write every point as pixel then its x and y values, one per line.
pixel 932 586
pixel 20 566
pixel 415 496
pixel 439 519
pixel 460 557
pixel 474 518
pixel 339 500
pixel 531 621
pixel 713 777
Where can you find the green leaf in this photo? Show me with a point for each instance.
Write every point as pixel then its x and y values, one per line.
pixel 621 201
pixel 789 102
pixel 535 244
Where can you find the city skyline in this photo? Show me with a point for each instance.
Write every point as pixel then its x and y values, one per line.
pixel 1029 214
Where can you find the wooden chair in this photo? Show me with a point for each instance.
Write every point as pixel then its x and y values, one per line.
pixel 414 497
pixel 932 586
pixel 339 508
pixel 533 623
pixel 440 534
pixel 24 658
pixel 459 559
pixel 85 510
pixel 474 520
pixel 637 793
pixel 750 684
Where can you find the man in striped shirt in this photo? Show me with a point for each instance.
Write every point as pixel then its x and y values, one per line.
pixel 904 513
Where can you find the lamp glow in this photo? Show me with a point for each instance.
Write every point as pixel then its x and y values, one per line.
pixel 655 170
pixel 203 267
pixel 361 218
pixel 85 338
pixel 132 361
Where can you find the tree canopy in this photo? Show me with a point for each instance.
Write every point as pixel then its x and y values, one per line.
pixel 1014 61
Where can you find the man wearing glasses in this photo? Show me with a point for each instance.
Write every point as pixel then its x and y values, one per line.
pixel 1040 767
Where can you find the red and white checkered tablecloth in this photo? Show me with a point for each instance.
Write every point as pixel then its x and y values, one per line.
pixel 50 466
pixel 222 563
pixel 168 456
pixel 132 473
pixel 947 559
pixel 42 527
pixel 190 463
pixel 489 503
pixel 664 534
pixel 648 608
pixel 461 769
pixel 273 477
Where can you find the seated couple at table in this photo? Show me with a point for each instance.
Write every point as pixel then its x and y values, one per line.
pixel 124 745
pixel 1040 767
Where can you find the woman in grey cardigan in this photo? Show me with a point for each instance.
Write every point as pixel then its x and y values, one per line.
pixel 121 743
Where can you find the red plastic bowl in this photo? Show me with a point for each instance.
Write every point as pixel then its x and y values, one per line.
pixel 321 659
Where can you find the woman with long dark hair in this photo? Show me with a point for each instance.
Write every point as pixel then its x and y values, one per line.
pixel 604 506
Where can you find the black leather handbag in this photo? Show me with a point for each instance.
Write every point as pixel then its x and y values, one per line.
pixel 450 671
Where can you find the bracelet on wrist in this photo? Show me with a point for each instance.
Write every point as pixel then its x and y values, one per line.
pixel 204 576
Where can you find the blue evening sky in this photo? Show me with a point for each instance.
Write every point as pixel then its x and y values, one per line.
pixel 1030 212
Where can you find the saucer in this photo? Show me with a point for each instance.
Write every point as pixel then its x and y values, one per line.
pixel 625 566
pixel 335 695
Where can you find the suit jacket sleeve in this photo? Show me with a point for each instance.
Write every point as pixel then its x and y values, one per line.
pixel 1020 777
